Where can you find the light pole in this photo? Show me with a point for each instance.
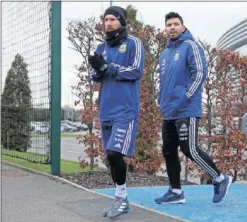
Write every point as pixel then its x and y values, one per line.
pixel 110 2
pixel 244 123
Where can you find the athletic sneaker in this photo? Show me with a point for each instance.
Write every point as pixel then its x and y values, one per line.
pixel 106 210
pixel 171 197
pixel 118 207
pixel 221 188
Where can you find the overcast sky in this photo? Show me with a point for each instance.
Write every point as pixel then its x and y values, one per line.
pixel 206 20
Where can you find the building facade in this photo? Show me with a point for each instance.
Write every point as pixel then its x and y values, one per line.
pixel 235 39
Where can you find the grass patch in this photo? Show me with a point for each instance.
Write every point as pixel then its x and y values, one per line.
pixel 20 158
pixel 24 155
pixel 63 135
pixel 66 165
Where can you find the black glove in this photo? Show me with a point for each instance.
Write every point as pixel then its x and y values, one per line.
pixel 98 62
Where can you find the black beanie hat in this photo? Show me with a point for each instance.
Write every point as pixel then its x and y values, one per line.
pixel 119 13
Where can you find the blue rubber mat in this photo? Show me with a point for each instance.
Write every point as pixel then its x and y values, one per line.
pixel 198 207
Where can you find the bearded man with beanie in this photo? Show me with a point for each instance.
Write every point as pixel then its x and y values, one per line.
pixel 117 65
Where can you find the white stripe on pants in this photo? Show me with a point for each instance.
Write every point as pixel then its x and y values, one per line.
pixel 192 145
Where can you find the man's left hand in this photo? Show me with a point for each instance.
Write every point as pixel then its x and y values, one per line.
pixel 97 62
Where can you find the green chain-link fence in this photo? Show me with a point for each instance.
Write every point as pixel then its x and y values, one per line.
pixel 27 70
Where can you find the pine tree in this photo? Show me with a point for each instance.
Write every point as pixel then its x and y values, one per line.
pixel 16 107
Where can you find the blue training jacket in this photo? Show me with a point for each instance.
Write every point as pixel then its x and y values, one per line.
pixel 119 95
pixel 182 73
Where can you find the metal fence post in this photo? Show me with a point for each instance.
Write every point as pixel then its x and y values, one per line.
pixel 56 88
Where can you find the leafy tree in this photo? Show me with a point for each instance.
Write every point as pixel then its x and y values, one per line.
pixel 16 107
pixel 40 114
pixel 231 100
pixel 83 38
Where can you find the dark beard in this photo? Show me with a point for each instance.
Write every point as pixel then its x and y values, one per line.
pixel 175 39
pixel 113 38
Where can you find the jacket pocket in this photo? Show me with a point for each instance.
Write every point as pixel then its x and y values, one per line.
pixel 178 97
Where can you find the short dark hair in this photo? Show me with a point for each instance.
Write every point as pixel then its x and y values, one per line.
pixel 173 15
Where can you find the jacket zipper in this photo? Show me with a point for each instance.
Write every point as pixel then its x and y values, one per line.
pixel 168 85
pixel 170 74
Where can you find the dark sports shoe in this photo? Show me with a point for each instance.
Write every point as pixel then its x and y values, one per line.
pixel 221 188
pixel 170 197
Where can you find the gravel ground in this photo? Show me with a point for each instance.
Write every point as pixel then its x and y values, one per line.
pixel 102 179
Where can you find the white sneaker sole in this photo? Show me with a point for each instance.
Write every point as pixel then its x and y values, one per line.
pixel 183 201
pixel 117 216
pixel 230 182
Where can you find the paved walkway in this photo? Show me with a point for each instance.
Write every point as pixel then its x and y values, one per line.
pixel 28 197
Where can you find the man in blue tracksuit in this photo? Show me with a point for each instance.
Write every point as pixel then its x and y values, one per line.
pixel 118 65
pixel 182 74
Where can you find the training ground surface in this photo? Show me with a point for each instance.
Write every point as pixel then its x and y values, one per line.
pixel 198 207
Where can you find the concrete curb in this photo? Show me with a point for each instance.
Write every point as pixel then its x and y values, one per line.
pixel 243 182
pixel 60 179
